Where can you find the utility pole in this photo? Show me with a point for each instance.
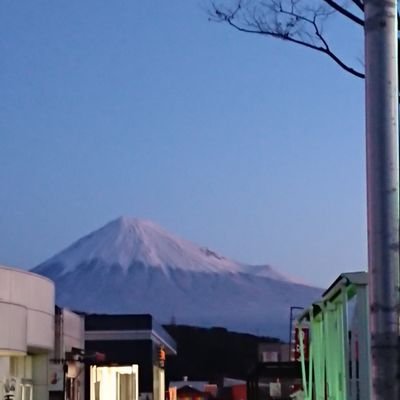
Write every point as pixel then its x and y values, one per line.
pixel 382 133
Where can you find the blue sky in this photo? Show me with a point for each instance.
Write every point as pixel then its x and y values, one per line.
pixel 250 146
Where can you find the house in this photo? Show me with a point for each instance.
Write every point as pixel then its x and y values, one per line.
pixel 190 393
pixel 135 349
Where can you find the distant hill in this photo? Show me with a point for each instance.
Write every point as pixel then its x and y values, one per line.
pixel 211 354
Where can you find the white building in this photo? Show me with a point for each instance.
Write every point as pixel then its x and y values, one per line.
pixel 67 371
pixel 26 334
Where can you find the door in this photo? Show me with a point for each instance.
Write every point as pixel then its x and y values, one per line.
pixel 126 386
pixel 114 383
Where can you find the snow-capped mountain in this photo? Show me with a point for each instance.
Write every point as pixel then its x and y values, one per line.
pixel 135 266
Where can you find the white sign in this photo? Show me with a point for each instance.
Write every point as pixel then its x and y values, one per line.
pixel 275 389
pixel 10 388
pixel 56 377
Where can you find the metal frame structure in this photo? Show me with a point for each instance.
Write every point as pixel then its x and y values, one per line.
pixel 339 348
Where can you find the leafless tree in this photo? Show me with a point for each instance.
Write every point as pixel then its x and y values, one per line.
pixel 298 21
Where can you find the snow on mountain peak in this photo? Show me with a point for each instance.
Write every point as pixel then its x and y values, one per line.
pixel 129 240
pixel 126 241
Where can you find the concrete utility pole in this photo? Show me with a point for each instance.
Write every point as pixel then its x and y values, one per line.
pixel 383 194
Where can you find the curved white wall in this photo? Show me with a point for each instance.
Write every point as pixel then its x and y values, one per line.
pixel 26 311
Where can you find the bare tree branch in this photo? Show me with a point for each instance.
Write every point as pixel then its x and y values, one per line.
pixel 345 12
pixel 296 21
pixel 359 4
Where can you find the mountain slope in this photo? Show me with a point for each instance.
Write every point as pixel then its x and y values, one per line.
pixel 134 266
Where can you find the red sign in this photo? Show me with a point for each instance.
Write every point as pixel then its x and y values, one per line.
pixel 161 357
pixel 99 357
pixel 306 343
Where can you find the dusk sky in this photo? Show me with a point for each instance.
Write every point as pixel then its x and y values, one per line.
pixel 250 146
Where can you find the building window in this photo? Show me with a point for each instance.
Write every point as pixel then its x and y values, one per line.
pixel 270 356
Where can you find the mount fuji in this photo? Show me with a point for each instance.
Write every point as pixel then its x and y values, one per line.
pixel 135 266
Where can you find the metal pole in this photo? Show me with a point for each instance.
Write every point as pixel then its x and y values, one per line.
pixel 382 194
